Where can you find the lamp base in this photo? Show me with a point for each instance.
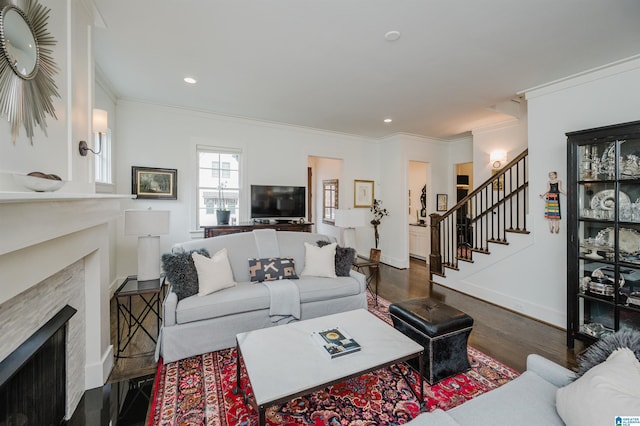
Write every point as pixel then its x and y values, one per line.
pixel 148 258
pixel 349 237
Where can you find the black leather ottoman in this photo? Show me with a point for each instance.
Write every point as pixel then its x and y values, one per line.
pixel 441 329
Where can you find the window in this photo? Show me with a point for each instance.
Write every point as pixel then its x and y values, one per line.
pixel 102 161
pixel 218 184
pixel 329 200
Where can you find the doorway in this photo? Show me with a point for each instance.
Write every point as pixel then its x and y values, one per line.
pixel 419 238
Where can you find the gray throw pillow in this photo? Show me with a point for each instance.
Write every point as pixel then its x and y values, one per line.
pixel 344 258
pixel 600 351
pixel 181 272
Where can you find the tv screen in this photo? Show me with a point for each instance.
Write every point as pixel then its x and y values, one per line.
pixel 277 201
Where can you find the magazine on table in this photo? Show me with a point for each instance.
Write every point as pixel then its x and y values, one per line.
pixel 335 342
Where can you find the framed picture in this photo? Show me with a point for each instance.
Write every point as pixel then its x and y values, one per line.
pixel 498 185
pixel 362 193
pixel 441 202
pixel 153 183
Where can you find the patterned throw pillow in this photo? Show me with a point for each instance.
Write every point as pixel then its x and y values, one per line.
pixel 344 258
pixel 271 269
pixel 181 272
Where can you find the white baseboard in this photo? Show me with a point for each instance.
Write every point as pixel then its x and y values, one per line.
pixel 96 374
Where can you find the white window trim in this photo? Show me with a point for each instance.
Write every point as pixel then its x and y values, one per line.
pixel 243 197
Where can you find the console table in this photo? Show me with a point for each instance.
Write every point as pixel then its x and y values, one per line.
pixel 214 231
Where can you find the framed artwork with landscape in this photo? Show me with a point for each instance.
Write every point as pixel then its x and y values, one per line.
pixel 362 193
pixel 154 183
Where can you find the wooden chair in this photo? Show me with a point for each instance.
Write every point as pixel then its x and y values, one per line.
pixel 371 269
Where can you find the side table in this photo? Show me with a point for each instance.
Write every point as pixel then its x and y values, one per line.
pixel 150 293
pixel 372 266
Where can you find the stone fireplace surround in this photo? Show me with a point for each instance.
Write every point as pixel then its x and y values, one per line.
pixel 54 250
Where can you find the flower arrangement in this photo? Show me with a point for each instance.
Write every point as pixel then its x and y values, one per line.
pixel 378 213
pixel 221 205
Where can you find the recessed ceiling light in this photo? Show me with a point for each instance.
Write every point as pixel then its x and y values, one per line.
pixel 392 35
pixel 190 80
pixel 388 120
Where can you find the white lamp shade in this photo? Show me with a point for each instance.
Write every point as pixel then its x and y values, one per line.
pixel 146 222
pixel 350 218
pixel 100 123
pixel 500 156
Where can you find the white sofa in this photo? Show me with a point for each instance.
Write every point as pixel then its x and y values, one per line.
pixel 200 324
pixel 529 400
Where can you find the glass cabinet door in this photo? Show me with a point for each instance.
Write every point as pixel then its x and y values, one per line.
pixel 603 246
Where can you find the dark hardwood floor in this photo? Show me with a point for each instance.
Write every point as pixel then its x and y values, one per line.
pixel 500 333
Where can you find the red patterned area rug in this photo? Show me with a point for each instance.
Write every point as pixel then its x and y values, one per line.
pixel 198 391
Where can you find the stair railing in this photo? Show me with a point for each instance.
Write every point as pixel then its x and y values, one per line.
pixel 497 206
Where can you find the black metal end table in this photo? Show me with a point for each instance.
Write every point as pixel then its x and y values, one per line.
pixel 373 267
pixel 150 292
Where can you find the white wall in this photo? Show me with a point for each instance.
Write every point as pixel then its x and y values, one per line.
pixel 510 137
pixel 159 136
pixel 604 97
pixel 532 280
pixel 57 151
pixel 395 154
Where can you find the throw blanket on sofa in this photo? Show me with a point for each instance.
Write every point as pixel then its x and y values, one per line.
pixel 266 242
pixel 285 301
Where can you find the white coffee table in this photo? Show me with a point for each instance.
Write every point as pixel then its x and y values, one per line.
pixel 284 362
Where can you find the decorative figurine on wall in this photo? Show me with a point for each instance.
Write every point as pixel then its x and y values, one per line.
pixel 552 202
pixel 423 201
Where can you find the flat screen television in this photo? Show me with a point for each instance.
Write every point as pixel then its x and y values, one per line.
pixel 277 202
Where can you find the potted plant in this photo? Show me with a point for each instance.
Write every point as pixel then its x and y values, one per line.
pixel 378 214
pixel 223 213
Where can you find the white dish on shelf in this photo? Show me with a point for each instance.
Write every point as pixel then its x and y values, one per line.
pixel 38 184
pixel 628 240
pixel 605 200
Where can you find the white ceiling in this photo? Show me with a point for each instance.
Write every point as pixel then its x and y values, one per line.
pixel 326 64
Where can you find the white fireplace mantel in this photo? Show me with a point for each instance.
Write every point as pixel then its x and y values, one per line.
pixel 42 234
pixel 28 218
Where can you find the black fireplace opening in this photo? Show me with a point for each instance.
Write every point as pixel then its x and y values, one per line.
pixel 33 377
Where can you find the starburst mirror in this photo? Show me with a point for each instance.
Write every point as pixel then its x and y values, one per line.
pixel 27 68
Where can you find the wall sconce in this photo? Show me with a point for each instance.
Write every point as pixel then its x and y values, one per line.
pixel 99 125
pixel 497 158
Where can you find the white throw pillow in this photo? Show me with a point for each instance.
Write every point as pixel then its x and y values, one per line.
pixel 213 274
pixel 320 261
pixel 603 393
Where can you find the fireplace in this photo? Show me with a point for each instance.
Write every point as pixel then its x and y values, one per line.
pixel 54 252
pixel 33 377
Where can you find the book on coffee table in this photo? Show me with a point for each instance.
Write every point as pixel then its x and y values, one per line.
pixel 335 342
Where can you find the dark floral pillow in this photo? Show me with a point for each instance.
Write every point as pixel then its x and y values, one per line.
pixel 344 258
pixel 181 272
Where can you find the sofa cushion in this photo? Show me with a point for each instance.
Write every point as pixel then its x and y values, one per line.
pixel 319 261
pixel 181 272
pixel 314 289
pixel 271 269
pixel 213 274
pixel 343 259
pixel 527 400
pixel 243 297
pixel 607 390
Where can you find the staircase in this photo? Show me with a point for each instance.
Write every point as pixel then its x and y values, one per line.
pixel 487 215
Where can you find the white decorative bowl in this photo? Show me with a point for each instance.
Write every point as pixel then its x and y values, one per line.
pixel 39 184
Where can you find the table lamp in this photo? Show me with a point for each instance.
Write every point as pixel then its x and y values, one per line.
pixel 148 225
pixel 350 220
